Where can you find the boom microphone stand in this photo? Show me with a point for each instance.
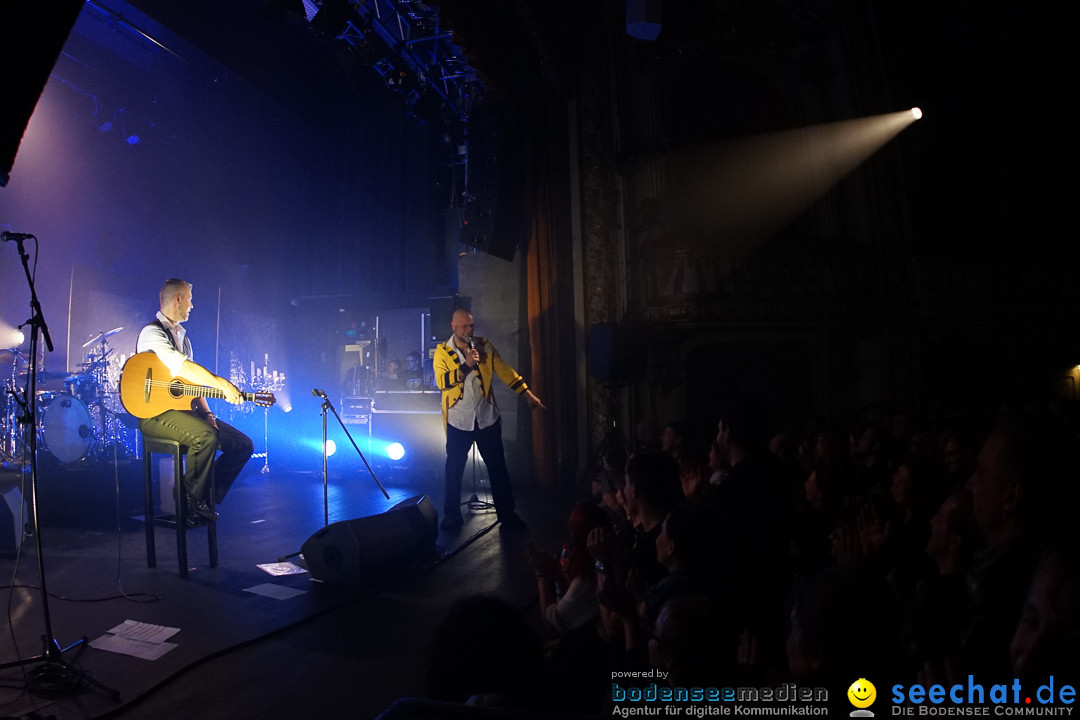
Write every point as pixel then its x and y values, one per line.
pixel 327 405
pixel 55 669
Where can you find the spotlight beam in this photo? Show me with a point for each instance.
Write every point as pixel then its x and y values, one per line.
pixel 740 193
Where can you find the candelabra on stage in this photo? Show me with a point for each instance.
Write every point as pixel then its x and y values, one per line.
pixel 260 380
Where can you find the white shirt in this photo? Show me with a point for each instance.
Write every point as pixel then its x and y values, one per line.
pixel 474 410
pixel 575 608
pixel 150 338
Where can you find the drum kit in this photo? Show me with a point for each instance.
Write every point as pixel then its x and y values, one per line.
pixel 84 421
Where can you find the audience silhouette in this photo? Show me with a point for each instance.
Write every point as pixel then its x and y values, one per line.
pixel 894 547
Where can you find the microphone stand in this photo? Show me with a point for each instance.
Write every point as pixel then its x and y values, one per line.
pixel 475 503
pixel 327 405
pixel 56 668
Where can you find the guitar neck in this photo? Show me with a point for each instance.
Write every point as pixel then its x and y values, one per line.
pixel 210 392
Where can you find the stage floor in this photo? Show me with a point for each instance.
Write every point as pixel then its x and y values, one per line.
pixel 328 650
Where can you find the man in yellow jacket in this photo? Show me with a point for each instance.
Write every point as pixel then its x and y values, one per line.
pixel 465 368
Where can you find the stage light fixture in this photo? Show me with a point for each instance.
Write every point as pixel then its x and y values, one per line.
pixel 395 451
pixel 18 338
pixel 916 113
pixel 331 448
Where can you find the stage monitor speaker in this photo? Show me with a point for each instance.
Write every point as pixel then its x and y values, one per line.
pixel 493 219
pixel 442 312
pixel 352 551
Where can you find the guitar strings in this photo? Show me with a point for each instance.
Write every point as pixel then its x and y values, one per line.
pixel 195 390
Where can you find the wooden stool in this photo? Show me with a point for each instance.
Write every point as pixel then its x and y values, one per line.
pixel 179 519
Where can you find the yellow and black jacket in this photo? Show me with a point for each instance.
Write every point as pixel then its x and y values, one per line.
pixel 449 379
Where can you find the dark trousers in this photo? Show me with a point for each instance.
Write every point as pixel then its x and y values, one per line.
pixel 489 443
pixel 203 442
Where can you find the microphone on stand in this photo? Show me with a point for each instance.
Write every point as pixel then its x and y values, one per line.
pixel 318 393
pixel 14 236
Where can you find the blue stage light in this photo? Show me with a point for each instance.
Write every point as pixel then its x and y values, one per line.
pixel 395 451
pixel 331 448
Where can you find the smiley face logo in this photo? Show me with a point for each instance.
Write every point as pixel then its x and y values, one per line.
pixel 862 693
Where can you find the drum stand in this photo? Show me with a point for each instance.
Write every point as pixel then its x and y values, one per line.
pixel 99 395
pixel 9 438
pixel 55 669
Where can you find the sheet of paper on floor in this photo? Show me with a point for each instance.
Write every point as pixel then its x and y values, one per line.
pixel 138 639
pixel 278 592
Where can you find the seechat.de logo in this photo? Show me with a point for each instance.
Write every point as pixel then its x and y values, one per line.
pixel 862 694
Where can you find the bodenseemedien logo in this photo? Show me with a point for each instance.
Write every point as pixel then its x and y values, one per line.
pixel 862 694
pixel 661 699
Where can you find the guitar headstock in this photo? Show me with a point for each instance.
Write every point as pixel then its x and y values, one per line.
pixel 263 399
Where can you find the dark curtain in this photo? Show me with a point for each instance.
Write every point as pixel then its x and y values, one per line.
pixel 549 298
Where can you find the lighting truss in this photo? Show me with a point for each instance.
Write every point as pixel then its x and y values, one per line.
pixel 417 44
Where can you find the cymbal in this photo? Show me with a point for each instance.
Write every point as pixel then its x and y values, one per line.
pixel 102 335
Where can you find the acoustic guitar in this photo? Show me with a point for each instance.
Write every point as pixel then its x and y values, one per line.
pixel 147 388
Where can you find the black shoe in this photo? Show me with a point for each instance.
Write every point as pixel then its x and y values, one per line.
pixel 452 523
pixel 199 508
pixel 512 521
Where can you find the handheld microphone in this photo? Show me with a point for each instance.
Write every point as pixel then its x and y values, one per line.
pixel 14 237
pixel 471 345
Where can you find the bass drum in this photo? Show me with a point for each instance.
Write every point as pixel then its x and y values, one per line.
pixel 64 428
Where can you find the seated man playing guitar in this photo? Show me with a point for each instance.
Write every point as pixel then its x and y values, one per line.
pixel 197 428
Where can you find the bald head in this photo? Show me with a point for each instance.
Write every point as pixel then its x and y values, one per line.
pixel 462 325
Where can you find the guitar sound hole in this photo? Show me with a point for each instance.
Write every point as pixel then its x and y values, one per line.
pixel 176 389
